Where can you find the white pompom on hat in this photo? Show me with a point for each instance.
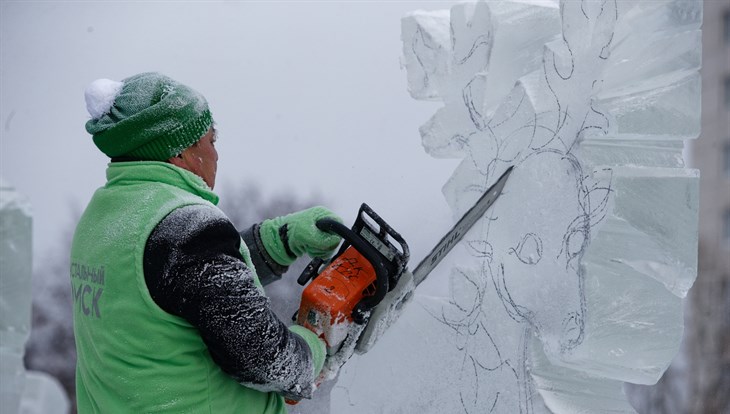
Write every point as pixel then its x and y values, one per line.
pixel 100 96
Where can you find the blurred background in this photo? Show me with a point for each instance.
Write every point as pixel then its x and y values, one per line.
pixel 698 381
pixel 312 108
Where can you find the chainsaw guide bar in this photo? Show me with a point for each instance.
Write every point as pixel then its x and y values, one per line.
pixel 457 233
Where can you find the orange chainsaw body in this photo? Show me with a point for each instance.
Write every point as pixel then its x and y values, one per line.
pixel 329 299
pixel 344 290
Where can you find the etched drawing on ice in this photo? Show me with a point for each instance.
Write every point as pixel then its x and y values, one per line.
pixel 527 251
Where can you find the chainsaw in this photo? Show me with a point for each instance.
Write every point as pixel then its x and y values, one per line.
pixel 351 299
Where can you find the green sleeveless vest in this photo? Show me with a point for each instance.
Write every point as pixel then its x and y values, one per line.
pixel 133 356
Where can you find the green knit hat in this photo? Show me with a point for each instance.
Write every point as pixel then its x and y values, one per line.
pixel 147 116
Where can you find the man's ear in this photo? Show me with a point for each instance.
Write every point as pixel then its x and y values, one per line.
pixel 178 161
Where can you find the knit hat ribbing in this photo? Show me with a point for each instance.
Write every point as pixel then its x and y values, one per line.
pixel 153 117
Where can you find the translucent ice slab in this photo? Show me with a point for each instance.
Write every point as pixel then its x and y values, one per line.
pixel 572 282
pixel 43 395
pixel 15 293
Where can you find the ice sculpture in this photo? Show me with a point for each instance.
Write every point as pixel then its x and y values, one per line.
pixel 43 395
pixel 572 283
pixel 15 290
pixel 20 391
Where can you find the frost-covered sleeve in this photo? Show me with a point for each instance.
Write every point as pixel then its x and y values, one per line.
pixel 267 269
pixel 194 269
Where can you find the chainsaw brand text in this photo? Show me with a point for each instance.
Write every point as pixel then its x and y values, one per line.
pixel 445 246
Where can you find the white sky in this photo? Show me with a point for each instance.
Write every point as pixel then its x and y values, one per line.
pixel 308 96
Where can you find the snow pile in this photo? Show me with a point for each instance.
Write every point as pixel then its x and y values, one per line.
pixel 572 283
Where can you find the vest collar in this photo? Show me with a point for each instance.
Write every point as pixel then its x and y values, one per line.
pixel 160 172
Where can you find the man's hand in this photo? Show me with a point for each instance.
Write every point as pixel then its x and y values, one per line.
pixel 289 237
pixel 336 359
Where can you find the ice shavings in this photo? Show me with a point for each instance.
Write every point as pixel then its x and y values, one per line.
pixel 387 312
pixel 100 96
pixel 347 334
pixel 572 283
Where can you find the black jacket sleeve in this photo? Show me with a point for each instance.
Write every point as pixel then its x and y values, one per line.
pixel 194 270
pixel 267 269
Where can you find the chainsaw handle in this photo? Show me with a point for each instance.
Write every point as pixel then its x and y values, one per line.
pixel 371 254
pixel 310 271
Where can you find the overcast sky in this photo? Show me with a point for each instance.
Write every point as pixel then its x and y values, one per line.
pixel 309 97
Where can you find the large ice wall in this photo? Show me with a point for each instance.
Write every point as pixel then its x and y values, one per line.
pixel 43 395
pixel 15 290
pixel 21 391
pixel 572 283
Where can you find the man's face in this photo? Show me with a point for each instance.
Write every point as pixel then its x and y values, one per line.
pixel 201 158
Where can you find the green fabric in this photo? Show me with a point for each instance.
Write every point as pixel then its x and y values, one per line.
pixel 131 353
pixel 153 118
pixel 316 345
pixel 302 234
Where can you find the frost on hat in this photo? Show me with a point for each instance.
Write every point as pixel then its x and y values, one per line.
pixel 148 116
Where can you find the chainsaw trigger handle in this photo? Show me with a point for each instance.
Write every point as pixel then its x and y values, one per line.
pixel 310 271
pixel 329 225
pixel 370 254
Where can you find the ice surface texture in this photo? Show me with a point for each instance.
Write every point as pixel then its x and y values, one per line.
pixel 572 283
pixel 43 395
pixel 15 293
pixel 21 391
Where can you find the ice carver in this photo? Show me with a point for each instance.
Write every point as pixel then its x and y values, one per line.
pixel 169 311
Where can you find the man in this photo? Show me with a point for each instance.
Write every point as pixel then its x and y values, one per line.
pixel 170 315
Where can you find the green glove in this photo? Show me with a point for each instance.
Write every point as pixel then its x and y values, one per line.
pixel 289 237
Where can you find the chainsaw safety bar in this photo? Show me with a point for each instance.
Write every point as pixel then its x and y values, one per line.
pixel 362 309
